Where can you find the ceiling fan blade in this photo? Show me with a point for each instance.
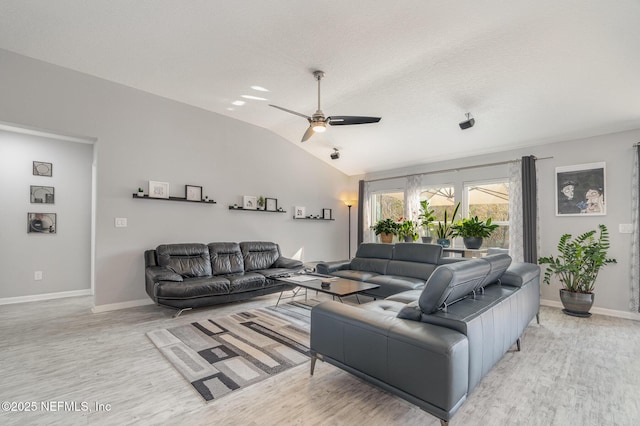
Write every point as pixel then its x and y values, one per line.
pixel 346 120
pixel 307 134
pixel 291 112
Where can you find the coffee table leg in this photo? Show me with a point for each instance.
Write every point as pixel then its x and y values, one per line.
pixel 357 298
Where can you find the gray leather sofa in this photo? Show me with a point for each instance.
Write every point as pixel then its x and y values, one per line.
pixel 432 347
pixel 186 276
pixel 395 267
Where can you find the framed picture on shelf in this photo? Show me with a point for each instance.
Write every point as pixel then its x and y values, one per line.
pixel 299 212
pixel 42 194
pixel 580 190
pixel 193 192
pixel 40 168
pixel 326 213
pixel 42 223
pixel 272 204
pixel 158 189
pixel 249 202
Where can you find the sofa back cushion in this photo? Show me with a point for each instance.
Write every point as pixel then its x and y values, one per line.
pixel 259 254
pixel 414 260
pixel 498 263
pixel 187 260
pixel 226 258
pixel 372 257
pixel 451 282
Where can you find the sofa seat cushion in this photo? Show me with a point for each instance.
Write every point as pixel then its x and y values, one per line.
pixel 192 288
pixel 384 307
pixel 406 296
pixel 188 260
pixel 393 284
pixel 274 272
pixel 355 275
pixel 246 282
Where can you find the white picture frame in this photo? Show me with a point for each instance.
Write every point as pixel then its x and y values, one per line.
pixel 581 190
pixel 299 212
pixel 158 189
pixel 250 202
pixel 193 192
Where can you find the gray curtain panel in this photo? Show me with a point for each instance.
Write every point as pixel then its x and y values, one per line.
pixel 529 209
pixel 361 196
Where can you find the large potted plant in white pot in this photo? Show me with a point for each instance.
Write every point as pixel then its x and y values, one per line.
pixel 577 266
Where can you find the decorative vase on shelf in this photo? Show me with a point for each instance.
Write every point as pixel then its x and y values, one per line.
pixel 444 242
pixel 427 240
pixel 472 243
pixel 386 238
pixel 408 239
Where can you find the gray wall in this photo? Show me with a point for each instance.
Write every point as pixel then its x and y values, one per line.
pixel 143 137
pixel 613 285
pixel 64 257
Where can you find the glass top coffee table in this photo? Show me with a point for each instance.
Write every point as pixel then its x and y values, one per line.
pixel 338 287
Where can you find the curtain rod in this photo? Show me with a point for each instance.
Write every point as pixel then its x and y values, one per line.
pixel 455 169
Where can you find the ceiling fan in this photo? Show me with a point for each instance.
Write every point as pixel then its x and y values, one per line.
pixel 318 122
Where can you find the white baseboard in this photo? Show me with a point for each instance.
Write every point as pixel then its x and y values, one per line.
pixel 600 311
pixel 45 296
pixel 122 305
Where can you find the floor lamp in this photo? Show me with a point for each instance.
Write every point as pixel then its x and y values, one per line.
pixel 349 203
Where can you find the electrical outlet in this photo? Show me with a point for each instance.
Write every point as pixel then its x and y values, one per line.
pixel 625 228
pixel 37 275
pixel 121 222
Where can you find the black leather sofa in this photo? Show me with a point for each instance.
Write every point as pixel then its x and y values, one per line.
pixel 394 267
pixel 186 276
pixel 432 347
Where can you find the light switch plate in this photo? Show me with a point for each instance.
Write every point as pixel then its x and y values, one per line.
pixel 625 228
pixel 121 222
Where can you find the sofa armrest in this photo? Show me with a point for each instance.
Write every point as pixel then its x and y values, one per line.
pixel 285 262
pixel 424 360
pixel 330 267
pixel 161 273
pixel 520 273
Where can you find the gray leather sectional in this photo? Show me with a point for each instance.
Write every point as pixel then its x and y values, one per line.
pixel 395 267
pixel 432 346
pixel 186 276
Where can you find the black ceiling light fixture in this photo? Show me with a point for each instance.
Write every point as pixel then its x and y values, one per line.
pixel 469 122
pixel 335 154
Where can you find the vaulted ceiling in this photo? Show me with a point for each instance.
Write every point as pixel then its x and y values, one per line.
pixel 529 72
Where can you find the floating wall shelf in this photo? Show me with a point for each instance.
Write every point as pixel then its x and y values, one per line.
pixel 256 210
pixel 312 218
pixel 146 197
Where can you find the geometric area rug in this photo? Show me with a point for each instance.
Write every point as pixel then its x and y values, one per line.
pixel 222 355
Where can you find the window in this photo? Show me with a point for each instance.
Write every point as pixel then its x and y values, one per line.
pixel 387 205
pixel 440 199
pixel 490 200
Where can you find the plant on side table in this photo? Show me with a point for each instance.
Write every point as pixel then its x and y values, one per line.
pixel 407 230
pixel 426 218
pixel 386 228
pixel 444 229
pixel 577 267
pixel 473 231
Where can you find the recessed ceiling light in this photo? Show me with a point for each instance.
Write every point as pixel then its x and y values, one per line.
pixel 238 103
pixel 259 88
pixel 255 98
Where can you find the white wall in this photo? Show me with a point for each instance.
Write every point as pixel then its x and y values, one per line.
pixel 613 286
pixel 143 137
pixel 63 257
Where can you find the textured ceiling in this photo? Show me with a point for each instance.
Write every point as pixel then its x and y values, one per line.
pixel 529 72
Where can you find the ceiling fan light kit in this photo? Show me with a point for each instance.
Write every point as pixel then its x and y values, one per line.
pixel 318 122
pixel 469 122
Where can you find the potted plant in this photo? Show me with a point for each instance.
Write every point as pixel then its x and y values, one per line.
pixel 407 230
pixel 444 229
pixel 140 192
pixel 261 202
pixel 386 228
pixel 426 217
pixel 473 231
pixel 577 267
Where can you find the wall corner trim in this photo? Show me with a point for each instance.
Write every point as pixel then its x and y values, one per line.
pixel 44 296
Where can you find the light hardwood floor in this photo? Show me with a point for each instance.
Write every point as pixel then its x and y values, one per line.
pixel 571 371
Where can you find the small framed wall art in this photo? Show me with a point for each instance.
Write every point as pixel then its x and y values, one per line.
pixel 42 194
pixel 326 213
pixel 249 202
pixel 193 192
pixel 41 223
pixel 299 212
pixel 158 189
pixel 271 204
pixel 40 168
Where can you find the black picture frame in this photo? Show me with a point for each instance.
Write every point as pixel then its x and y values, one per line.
pixel 42 194
pixel 42 223
pixel 326 214
pixel 271 204
pixel 42 168
pixel 581 190
pixel 193 192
